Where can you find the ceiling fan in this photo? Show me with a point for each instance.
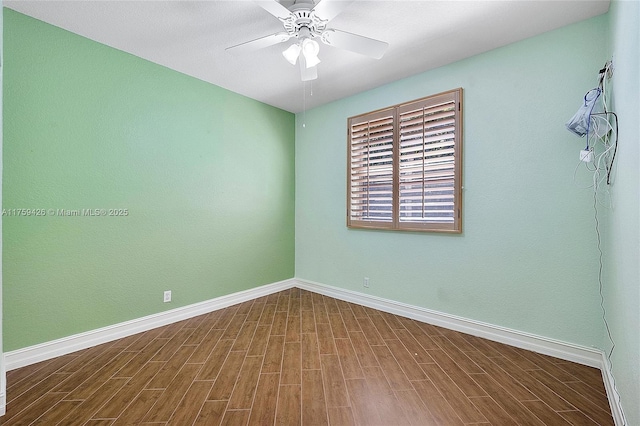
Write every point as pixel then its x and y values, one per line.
pixel 306 22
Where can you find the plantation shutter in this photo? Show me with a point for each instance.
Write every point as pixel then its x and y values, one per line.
pixel 404 166
pixel 371 168
pixel 428 162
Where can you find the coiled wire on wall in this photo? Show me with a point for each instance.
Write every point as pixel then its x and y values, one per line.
pixel 599 126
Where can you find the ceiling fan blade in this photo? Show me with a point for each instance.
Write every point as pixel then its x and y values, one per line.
pixel 355 43
pixel 274 8
pixel 259 43
pixel 329 9
pixel 307 74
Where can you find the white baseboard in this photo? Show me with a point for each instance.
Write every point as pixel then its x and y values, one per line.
pixel 3 390
pixel 563 350
pixel 544 345
pixel 612 392
pixel 556 348
pixel 41 352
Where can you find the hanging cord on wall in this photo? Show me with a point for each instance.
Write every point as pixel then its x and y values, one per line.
pixel 304 101
pixel 602 130
pixel 609 164
pixel 601 166
pixel 304 104
pixel 602 306
pixel 611 130
pixel 601 135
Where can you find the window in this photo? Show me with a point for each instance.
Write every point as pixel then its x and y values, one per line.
pixel 405 166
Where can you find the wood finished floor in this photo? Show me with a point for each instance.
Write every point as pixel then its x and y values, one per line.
pixel 297 357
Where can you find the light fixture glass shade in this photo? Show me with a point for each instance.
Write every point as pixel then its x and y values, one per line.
pixel 310 49
pixel 292 53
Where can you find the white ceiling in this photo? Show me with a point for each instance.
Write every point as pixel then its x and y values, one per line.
pixel 191 37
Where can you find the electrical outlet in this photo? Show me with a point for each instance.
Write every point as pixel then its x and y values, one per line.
pixel 167 296
pixel 365 283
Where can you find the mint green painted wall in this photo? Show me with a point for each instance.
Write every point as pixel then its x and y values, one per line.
pixel 622 231
pixel 207 176
pixel 3 383
pixel 527 257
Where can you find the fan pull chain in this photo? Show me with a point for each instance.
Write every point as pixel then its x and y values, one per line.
pixel 304 104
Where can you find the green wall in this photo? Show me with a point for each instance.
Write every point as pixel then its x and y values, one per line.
pixel 207 177
pixel 3 384
pixel 527 258
pixel 622 231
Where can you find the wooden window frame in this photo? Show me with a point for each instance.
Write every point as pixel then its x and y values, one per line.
pixel 368 137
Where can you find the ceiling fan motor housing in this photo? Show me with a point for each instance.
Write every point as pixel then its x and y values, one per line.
pixel 303 21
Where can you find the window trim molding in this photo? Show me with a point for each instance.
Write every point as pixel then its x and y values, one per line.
pixel 455 95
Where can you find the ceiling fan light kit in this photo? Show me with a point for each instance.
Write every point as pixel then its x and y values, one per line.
pixel 307 46
pixel 292 53
pixel 306 21
pixel 310 50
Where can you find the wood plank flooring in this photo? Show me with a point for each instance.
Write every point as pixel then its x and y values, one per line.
pixel 297 357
